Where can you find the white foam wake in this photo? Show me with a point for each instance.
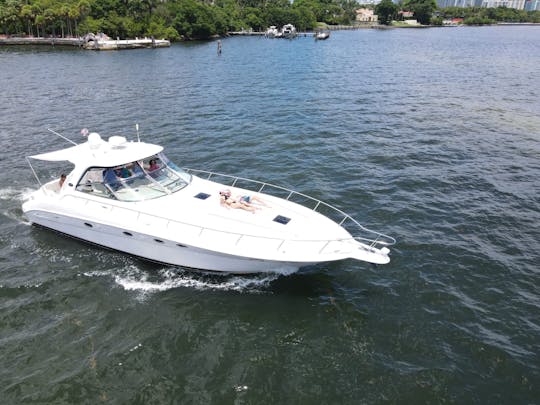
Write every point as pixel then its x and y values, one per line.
pixel 10 193
pixel 132 278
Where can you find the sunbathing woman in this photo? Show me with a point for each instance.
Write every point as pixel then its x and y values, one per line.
pixel 230 202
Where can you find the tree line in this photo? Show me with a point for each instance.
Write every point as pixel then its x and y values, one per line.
pixel 172 19
pixel 200 19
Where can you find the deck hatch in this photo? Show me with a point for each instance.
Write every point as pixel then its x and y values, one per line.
pixel 202 196
pixel 281 219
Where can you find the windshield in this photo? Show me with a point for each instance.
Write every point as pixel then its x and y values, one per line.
pixel 146 179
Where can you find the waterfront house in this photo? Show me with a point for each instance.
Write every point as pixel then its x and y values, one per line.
pixel 404 15
pixel 365 15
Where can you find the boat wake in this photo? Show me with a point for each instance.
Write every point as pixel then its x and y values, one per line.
pixel 10 193
pixel 132 278
pixel 18 195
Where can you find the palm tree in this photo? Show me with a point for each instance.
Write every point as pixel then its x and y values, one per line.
pixel 73 15
pixel 27 14
pixel 83 7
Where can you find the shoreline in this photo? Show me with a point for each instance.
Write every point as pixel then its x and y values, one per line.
pixel 137 43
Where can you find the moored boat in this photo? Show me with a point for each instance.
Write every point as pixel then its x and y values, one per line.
pixel 130 197
pixel 289 31
pixel 322 35
pixel 271 32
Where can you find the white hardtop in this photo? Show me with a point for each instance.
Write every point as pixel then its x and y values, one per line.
pixel 97 152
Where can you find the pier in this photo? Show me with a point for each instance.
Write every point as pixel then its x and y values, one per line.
pixel 42 41
pixel 104 43
pixel 90 42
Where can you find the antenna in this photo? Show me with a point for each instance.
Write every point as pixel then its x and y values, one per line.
pixel 137 128
pixel 61 136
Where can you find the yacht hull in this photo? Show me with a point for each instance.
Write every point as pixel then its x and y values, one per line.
pixel 157 249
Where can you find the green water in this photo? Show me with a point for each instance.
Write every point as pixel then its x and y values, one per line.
pixel 430 136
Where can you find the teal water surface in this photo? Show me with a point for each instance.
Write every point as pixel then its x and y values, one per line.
pixel 431 136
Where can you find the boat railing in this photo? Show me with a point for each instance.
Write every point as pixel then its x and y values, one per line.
pixel 357 230
pixel 378 241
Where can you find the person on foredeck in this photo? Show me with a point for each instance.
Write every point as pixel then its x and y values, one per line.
pixel 229 202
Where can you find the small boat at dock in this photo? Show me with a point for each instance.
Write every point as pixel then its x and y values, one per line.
pixel 289 31
pixel 271 32
pixel 322 35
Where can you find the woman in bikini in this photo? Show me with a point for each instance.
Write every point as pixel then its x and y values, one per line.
pixel 228 201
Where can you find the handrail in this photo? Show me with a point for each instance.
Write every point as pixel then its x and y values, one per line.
pixel 380 238
pixel 202 229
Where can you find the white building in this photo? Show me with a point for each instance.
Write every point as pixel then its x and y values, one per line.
pixel 375 2
pixel 528 5
pixel 532 5
pixel 517 4
pixel 366 15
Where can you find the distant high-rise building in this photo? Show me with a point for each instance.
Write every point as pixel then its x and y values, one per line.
pixel 532 5
pixel 375 2
pixel 517 4
pixel 459 3
pixel 369 2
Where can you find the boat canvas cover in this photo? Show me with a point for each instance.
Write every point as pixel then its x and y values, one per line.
pixel 103 154
pixel 58 155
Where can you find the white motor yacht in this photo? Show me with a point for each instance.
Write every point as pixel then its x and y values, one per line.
pixel 271 32
pixel 289 31
pixel 322 35
pixel 128 196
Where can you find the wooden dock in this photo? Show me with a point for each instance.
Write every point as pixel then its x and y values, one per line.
pixel 112 45
pixel 246 33
pixel 91 44
pixel 42 41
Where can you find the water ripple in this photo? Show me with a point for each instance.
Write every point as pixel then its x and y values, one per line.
pixel 431 136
